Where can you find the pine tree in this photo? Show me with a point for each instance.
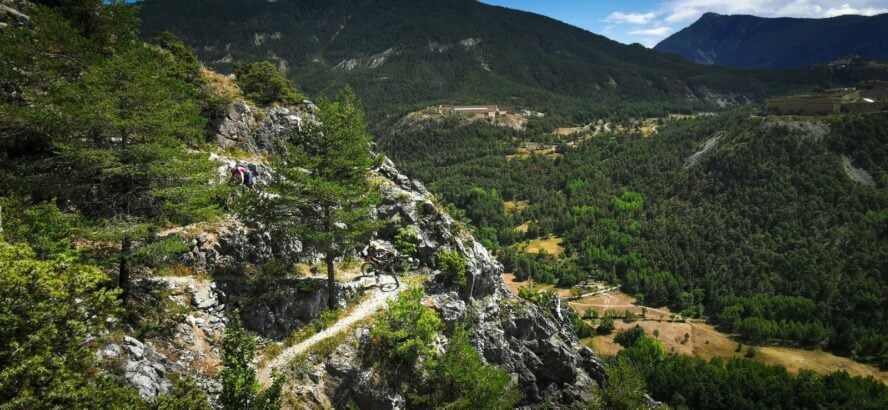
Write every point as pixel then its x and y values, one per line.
pixel 240 387
pixel 322 192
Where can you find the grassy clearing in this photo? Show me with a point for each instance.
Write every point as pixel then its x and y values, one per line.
pixel 702 340
pixel 551 245
pixel 705 342
pixel 509 278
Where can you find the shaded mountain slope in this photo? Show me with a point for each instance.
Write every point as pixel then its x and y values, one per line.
pixel 402 54
pixel 756 42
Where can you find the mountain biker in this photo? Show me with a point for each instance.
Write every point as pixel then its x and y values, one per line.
pixel 242 176
pixel 378 250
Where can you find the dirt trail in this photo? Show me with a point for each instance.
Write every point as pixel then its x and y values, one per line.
pixel 597 292
pixel 367 308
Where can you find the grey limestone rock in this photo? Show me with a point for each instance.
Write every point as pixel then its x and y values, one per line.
pixel 12 13
pixel 256 129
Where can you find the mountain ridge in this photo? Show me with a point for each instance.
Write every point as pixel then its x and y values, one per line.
pixel 402 56
pixel 746 41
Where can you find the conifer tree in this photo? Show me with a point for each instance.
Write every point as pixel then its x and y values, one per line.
pixel 322 192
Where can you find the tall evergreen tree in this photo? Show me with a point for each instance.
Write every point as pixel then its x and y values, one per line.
pixel 322 192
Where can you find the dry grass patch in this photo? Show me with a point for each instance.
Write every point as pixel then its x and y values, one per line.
pixel 816 360
pixel 551 245
pixel 513 285
pixel 705 342
pixel 515 206
pixel 568 131
pixel 221 84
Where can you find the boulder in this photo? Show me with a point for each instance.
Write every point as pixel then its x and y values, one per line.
pixel 256 129
pixel 143 367
pixel 12 13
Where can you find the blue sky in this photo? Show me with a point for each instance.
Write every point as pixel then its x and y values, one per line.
pixel 649 21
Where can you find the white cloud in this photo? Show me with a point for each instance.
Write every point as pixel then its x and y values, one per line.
pixel 690 10
pixel 618 17
pixel 661 31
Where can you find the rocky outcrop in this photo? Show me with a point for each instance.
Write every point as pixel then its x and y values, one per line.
pixel 538 346
pixel 277 311
pixel 535 344
pixel 12 13
pixel 228 245
pixel 190 346
pixel 142 366
pixel 255 129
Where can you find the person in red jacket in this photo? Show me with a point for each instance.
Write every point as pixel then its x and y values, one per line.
pixel 242 176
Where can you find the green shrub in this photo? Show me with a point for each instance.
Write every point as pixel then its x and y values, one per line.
pixel 164 250
pixel 460 379
pixel 627 338
pixel 240 386
pixel 453 264
pixel 403 333
pixel 263 83
pixel 406 241
pixel 606 327
pixel 55 315
pixel 47 229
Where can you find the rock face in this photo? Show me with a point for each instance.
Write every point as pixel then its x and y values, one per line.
pixel 256 129
pixel 233 244
pixel 142 366
pixel 190 345
pixel 536 345
pixel 276 312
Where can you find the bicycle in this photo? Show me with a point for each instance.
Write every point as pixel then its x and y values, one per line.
pixel 390 263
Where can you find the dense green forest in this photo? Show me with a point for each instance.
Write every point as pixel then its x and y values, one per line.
pixel 104 138
pixel 737 383
pixel 765 234
pixel 93 126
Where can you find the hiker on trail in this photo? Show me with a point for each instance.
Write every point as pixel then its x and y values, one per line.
pixel 241 176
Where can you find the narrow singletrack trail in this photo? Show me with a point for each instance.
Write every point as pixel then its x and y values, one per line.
pixel 377 301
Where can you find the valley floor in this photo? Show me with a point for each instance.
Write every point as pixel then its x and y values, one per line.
pixel 703 340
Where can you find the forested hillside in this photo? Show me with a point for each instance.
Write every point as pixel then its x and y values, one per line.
pixel 98 139
pixel 133 276
pixel 765 234
pixel 404 55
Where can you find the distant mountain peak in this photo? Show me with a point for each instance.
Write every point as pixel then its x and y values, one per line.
pixel 758 42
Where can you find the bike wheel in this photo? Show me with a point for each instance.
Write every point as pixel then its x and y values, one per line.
pixel 367 269
pixel 397 282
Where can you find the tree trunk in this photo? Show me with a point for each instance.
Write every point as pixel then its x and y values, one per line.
pixel 331 282
pixel 123 278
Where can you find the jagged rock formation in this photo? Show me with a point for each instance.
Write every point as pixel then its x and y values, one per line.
pixel 536 345
pixel 256 129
